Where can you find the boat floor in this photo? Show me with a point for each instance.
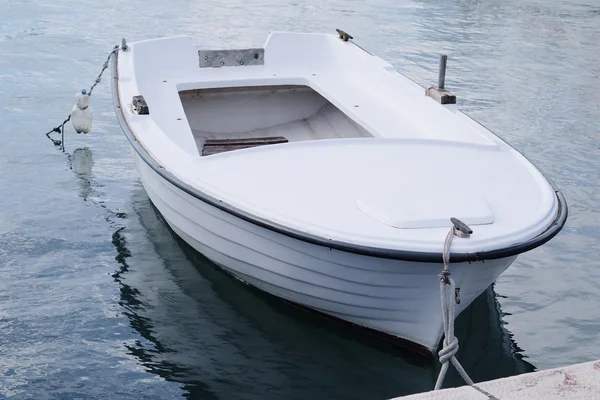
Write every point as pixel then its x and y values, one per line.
pixel 327 123
pixel 295 113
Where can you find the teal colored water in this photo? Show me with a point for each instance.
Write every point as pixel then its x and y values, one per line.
pixel 98 299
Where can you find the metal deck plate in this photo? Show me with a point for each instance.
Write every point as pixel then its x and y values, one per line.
pixel 231 58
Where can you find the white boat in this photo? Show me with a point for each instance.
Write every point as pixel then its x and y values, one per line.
pixel 314 171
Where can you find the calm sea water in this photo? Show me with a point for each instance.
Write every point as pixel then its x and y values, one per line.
pixel 98 299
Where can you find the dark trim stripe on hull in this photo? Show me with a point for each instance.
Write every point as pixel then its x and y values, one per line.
pixel 404 255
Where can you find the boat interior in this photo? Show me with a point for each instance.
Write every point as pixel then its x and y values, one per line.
pixel 225 119
pixel 323 96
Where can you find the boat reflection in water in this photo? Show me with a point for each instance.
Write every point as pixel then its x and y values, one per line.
pixel 221 338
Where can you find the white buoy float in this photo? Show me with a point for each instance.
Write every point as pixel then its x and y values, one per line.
pixel 81 114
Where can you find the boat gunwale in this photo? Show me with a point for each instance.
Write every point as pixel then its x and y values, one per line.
pixel 404 255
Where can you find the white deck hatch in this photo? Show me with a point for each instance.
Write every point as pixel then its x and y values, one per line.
pixel 412 209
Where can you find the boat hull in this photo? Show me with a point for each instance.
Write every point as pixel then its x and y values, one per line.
pixel 397 298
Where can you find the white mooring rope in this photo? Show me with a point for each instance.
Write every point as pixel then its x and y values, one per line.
pixel 447 293
pixel 449 298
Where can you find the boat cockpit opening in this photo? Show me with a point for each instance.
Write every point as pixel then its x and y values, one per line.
pixel 225 119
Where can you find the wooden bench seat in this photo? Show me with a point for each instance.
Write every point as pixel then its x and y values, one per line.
pixel 215 146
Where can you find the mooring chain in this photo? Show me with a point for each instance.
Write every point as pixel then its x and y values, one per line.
pixel 104 66
pixel 61 128
pixel 58 129
pixel 449 298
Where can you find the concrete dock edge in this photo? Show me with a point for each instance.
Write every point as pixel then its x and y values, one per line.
pixel 579 381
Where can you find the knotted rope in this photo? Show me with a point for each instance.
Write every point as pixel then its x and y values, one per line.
pixel 449 296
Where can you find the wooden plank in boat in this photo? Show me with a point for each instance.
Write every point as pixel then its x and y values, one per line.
pixel 214 146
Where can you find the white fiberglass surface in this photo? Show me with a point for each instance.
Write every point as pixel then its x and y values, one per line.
pixel 337 90
pixel 406 208
pixel 317 187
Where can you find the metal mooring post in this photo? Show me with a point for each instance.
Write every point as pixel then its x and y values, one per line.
pixel 439 93
pixel 442 73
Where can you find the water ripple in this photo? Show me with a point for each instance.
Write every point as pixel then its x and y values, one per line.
pixel 100 300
